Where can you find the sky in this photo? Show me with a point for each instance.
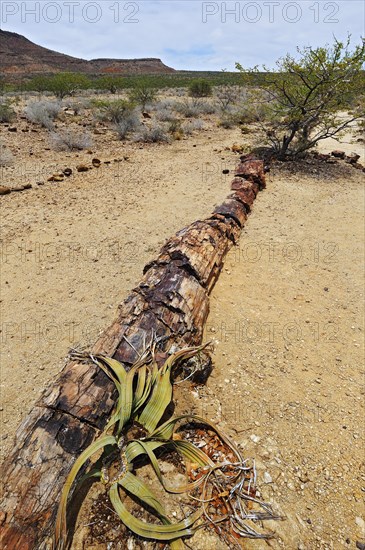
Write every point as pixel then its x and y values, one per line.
pixel 185 34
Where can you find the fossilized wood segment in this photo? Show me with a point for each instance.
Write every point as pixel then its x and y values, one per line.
pixel 171 302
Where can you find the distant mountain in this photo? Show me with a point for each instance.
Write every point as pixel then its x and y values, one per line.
pixel 21 57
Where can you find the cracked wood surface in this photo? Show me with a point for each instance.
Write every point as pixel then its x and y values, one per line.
pixel 172 302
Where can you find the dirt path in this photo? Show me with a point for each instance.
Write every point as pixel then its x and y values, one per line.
pixel 71 251
pixel 286 313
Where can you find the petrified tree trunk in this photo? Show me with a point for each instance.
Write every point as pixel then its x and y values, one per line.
pixel 172 303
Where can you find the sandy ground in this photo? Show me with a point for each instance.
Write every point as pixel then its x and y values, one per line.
pixel 286 314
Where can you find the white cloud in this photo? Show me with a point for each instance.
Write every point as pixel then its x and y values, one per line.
pixel 175 31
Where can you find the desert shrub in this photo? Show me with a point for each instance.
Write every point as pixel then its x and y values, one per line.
pixel 114 111
pixel 76 106
pixel 110 83
pixel 192 126
pixel 64 84
pixel 165 115
pixel 195 107
pixel 164 104
pixel 226 96
pixel 227 121
pixel 174 126
pixel 307 92
pixel 2 85
pixel 6 156
pixel 43 112
pixel 70 140
pixel 254 111
pixel 180 92
pixel 7 113
pixel 190 109
pixel 127 125
pixel 207 108
pixel 142 95
pixel 200 88
pixel 155 133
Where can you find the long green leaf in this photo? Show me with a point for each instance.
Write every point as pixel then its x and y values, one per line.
pixel 115 366
pixel 162 391
pixel 149 530
pixel 157 403
pixel 135 449
pixel 138 488
pixel 141 385
pixel 164 431
pixel 192 453
pixel 60 529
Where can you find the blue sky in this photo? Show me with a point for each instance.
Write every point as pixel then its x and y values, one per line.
pixel 185 34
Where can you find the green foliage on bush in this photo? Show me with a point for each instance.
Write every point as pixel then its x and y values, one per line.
pixel 114 111
pixel 110 83
pixel 307 93
pixel 60 84
pixel 200 88
pixel 142 95
pixel 7 113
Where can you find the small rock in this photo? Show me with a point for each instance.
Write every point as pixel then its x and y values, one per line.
pixel 82 168
pixel 351 159
pixel 12 129
pixel 146 115
pixel 225 171
pixel 267 478
pixel 255 438
pixel 338 154
pixel 96 163
pixel 360 523
pixel 67 172
pixel 360 545
pixel 4 190
pixel 22 187
pixel 55 177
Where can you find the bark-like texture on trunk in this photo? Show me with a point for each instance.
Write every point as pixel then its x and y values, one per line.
pixel 172 303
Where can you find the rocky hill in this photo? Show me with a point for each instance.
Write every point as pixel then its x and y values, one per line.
pixel 21 57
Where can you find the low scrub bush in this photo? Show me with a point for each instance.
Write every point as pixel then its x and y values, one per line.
pixel 114 111
pixel 154 134
pixel 43 112
pixel 200 88
pixel 142 95
pixel 227 121
pixel 69 140
pixel 7 113
pixel 6 156
pixel 189 109
pixel 193 126
pixel 226 96
pixel 165 115
pixel 195 108
pixel 127 125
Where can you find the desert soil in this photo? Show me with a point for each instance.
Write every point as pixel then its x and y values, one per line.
pixel 286 314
